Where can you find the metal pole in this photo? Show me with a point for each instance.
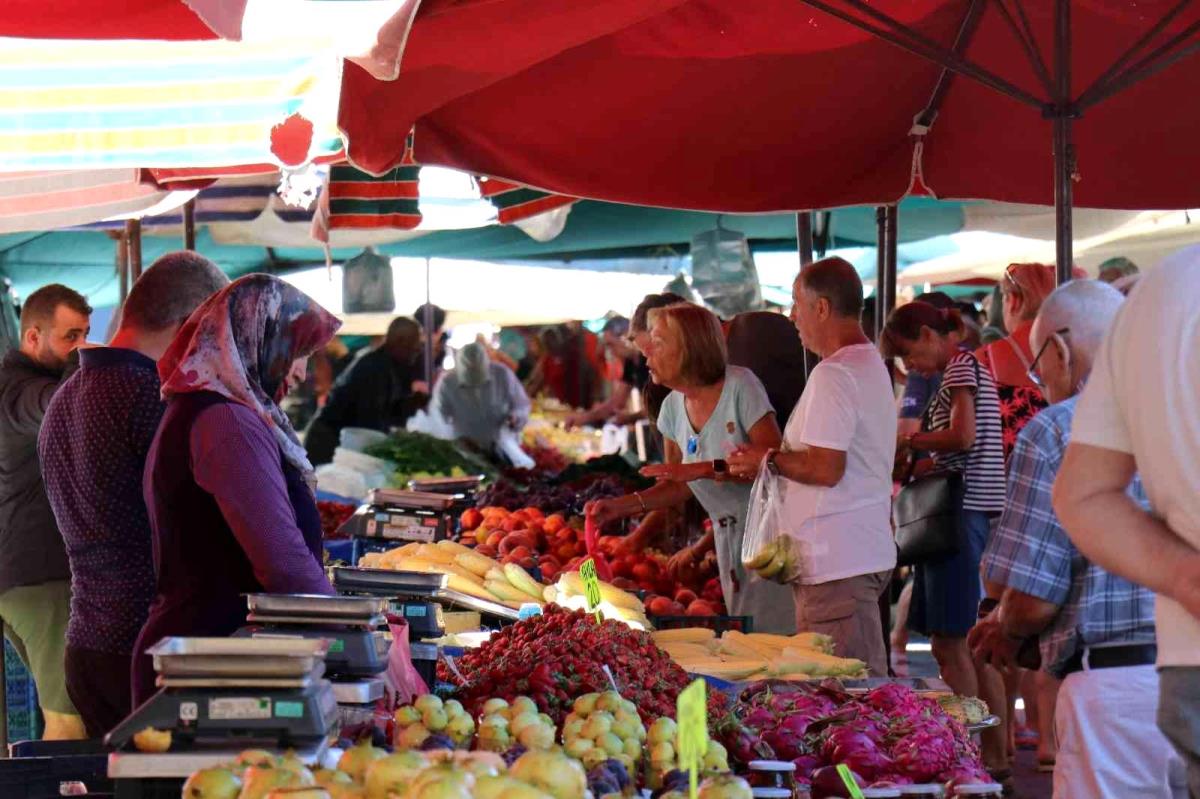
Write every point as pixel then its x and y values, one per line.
pixel 804 237
pixel 427 323
pixel 881 267
pixel 804 247
pixel 887 292
pixel 123 264
pixel 133 233
pixel 1064 148
pixel 189 224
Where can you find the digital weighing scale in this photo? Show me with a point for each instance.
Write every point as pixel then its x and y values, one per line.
pixel 391 515
pixel 419 597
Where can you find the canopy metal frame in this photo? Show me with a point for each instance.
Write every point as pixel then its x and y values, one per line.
pixel 1146 57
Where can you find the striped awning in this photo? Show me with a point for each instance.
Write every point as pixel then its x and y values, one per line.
pixel 49 200
pixel 117 104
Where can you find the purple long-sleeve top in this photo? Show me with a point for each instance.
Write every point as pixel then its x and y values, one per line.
pixel 229 516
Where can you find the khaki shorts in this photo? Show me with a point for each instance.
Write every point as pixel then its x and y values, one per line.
pixel 847 611
pixel 35 623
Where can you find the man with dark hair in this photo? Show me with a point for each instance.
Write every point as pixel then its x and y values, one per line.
pixel 93 447
pixel 34 574
pixel 380 390
pixel 835 468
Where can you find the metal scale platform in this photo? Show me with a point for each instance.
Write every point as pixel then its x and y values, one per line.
pixel 235 692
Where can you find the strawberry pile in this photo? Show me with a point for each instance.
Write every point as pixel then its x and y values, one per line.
pixel 560 655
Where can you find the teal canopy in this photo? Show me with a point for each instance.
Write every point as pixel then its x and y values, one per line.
pixel 606 236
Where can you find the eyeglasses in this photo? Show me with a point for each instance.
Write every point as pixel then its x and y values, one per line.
pixel 1034 377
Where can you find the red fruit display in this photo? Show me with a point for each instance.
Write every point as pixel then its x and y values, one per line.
pixel 560 655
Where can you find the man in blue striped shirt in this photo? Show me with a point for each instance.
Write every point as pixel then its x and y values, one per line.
pixel 1095 630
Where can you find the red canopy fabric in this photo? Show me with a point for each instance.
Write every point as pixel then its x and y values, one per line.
pixel 175 20
pixel 768 106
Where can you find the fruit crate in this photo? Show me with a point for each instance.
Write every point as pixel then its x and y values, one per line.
pixel 718 624
pixel 43 777
pixel 24 717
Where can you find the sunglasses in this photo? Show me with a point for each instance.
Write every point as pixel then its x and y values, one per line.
pixel 1034 377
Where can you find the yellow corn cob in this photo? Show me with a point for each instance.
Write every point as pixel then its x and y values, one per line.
pixel 435 553
pixel 474 562
pixel 740 643
pixel 507 591
pixel 698 635
pixel 734 645
pixel 521 580
pixel 818 663
pixel 740 669
pixel 572 584
pixel 815 641
pixel 454 547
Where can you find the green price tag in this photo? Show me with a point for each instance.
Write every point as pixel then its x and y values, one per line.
pixel 691 714
pixel 851 784
pixel 591 586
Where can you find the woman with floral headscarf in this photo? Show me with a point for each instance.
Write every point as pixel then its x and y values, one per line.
pixel 228 486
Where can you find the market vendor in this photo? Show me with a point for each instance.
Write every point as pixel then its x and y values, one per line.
pixel 712 409
pixel 480 398
pixel 380 390
pixel 228 487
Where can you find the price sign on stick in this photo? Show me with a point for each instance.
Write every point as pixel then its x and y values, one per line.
pixel 851 784
pixel 691 714
pixel 591 587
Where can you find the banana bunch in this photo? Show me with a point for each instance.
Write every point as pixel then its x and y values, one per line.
pixel 467 571
pixel 614 603
pixel 777 560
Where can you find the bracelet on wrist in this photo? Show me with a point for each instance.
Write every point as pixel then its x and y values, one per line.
pixel 641 501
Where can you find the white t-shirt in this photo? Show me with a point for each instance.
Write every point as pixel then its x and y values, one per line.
pixel 845 530
pixel 1143 398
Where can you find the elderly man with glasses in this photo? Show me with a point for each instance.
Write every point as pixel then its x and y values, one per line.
pixel 1095 630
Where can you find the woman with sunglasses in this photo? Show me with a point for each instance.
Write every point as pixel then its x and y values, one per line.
pixel 961 430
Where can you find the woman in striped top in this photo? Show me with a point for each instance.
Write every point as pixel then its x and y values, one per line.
pixel 961 430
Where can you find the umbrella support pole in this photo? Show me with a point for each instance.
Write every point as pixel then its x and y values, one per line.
pixel 189 224
pixel 804 247
pixel 133 235
pixel 427 323
pixel 1064 145
pixel 886 239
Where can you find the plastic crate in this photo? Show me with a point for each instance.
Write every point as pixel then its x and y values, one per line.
pixel 42 777
pixel 24 717
pixel 718 624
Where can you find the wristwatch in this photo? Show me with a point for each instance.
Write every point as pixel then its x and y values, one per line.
pixel 772 467
pixel 720 467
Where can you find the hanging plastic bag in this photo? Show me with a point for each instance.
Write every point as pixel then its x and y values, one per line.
pixel 402 682
pixel 508 444
pixel 767 549
pixel 431 423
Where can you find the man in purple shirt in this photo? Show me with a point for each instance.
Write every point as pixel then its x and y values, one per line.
pixel 93 446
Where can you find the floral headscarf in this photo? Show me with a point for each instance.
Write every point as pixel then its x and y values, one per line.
pixel 241 344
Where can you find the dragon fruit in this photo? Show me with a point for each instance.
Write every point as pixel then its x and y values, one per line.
pixel 924 755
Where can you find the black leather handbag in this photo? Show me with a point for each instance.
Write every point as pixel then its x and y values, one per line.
pixel 927 511
pixel 928 518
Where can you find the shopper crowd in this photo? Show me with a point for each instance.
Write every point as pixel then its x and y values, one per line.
pixel 147 485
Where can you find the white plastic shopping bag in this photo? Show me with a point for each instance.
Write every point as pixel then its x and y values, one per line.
pixel 767 547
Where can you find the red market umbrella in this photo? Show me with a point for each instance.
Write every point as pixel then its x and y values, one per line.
pixel 798 104
pixel 175 20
